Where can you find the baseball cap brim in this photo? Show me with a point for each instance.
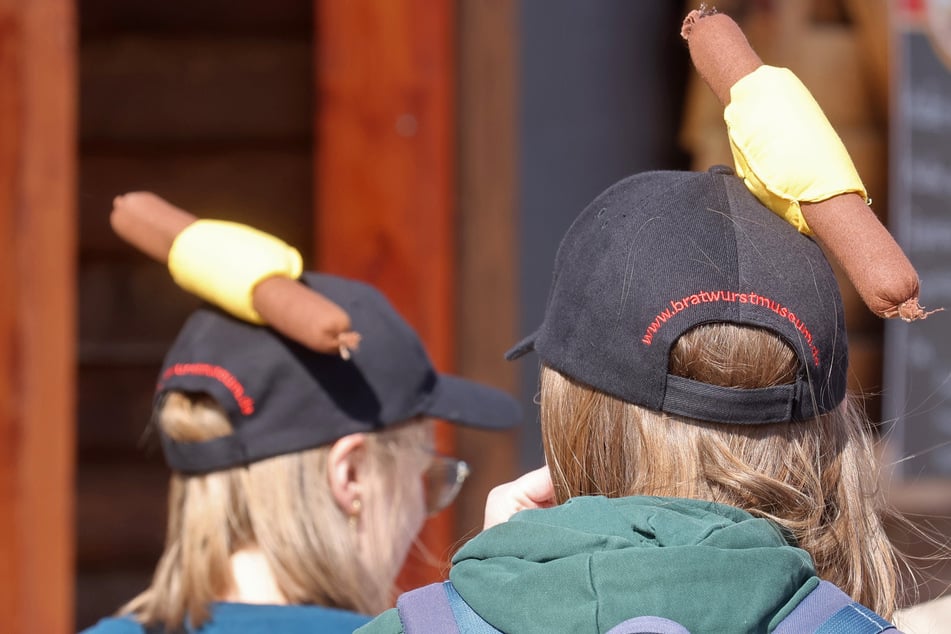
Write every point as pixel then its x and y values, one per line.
pixel 522 348
pixel 471 404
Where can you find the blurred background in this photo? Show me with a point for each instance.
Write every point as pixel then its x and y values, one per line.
pixel 436 149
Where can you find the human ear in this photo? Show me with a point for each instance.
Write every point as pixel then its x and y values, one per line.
pixel 345 469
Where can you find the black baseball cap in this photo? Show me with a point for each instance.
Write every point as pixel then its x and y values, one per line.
pixel 282 397
pixel 659 253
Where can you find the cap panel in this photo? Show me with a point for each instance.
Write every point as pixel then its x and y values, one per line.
pixel 587 316
pixel 797 297
pixel 695 270
pixel 391 357
pixel 611 326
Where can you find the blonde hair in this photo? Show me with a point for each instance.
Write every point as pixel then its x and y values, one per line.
pixel 281 505
pixel 818 479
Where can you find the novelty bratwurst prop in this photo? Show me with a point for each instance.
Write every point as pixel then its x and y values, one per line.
pixel 790 157
pixel 246 272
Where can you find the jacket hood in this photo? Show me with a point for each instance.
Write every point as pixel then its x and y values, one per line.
pixel 593 562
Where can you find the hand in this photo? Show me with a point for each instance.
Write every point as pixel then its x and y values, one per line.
pixel 531 491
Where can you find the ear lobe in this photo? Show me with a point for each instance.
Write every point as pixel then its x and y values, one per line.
pixel 345 467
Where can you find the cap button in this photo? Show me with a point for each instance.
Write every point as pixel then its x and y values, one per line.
pixel 722 169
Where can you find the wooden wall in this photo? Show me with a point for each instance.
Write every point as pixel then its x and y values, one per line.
pixel 37 325
pixel 212 109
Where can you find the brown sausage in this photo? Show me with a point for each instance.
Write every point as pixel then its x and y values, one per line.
pixel 148 223
pixel 151 224
pixel 719 50
pixel 844 225
pixel 305 316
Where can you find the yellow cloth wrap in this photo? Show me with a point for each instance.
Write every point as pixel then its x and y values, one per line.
pixel 221 262
pixel 783 146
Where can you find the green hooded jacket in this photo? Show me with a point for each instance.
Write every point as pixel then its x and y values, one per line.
pixel 593 562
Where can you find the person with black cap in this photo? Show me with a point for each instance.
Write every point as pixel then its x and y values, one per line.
pixel 300 479
pixel 710 471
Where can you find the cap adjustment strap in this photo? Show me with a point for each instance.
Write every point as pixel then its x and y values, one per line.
pixel 715 403
pixel 205 456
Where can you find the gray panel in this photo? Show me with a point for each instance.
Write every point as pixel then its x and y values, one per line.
pixel 918 355
pixel 600 97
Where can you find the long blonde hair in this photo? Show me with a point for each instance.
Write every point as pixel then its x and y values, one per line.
pixel 816 478
pixel 281 505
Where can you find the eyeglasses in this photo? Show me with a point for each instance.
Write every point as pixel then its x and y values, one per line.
pixel 442 481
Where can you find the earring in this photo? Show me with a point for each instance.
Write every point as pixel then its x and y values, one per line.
pixel 356 507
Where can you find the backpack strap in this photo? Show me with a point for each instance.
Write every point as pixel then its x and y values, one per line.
pixel 426 609
pixel 439 608
pixel 828 610
pixel 648 625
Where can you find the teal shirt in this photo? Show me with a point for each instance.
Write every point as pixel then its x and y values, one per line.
pixel 593 562
pixel 246 618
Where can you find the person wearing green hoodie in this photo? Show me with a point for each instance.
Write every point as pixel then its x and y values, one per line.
pixel 704 462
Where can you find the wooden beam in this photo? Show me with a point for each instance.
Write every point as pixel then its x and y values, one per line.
pixel 37 331
pixel 486 242
pixel 195 88
pixel 384 172
pixel 10 559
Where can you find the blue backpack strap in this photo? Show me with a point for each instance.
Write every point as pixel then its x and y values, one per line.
pixel 426 609
pixel 439 608
pixel 856 618
pixel 648 625
pixel 468 621
pixel 828 610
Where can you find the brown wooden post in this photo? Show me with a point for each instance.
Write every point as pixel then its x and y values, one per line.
pixel 37 338
pixel 384 172
pixel 487 292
